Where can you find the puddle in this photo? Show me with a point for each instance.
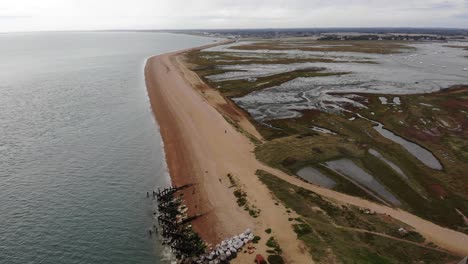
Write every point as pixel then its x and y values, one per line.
pixel 350 169
pixel 314 176
pixel 423 104
pixel 395 100
pixel 422 154
pixel 383 100
pixel 322 130
pixel 395 167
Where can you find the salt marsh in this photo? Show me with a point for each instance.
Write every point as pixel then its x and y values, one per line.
pixel 427 68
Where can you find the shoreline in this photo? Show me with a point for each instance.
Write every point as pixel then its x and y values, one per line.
pixel 202 147
pixel 179 163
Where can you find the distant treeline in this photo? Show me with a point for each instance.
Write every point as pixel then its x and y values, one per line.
pixel 386 37
pixel 305 32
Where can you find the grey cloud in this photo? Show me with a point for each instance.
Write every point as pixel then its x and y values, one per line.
pixel 179 14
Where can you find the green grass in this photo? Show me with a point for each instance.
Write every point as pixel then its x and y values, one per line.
pixel 373 47
pixel 275 259
pixel 239 88
pixel 272 243
pixel 302 229
pixel 241 198
pixel 256 239
pixel 326 241
pixel 297 147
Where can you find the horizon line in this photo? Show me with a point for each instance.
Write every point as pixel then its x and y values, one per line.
pixel 221 29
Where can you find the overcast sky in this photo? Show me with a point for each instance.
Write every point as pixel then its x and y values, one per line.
pixel 32 15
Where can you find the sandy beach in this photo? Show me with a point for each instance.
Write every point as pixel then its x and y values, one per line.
pixel 202 147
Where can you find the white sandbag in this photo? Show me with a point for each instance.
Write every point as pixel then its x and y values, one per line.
pixel 223 257
pixel 211 256
pixel 239 244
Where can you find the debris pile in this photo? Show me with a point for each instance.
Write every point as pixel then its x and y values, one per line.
pixel 366 211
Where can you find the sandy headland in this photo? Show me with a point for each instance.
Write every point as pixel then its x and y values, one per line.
pixel 203 147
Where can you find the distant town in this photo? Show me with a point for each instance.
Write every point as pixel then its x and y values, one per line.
pixel 397 34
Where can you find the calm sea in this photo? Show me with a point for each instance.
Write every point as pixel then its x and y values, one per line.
pixel 79 147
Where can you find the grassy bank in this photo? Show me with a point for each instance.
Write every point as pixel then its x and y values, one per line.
pixel 344 234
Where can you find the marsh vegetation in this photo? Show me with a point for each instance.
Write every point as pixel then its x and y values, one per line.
pixel 346 87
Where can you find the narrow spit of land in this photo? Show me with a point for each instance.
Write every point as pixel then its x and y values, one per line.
pixel 203 147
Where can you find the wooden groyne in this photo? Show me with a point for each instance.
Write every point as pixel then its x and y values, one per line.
pixel 177 233
pixel 174 225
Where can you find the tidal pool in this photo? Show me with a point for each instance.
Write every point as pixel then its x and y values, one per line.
pixel 422 154
pixel 350 169
pixel 322 130
pixel 314 176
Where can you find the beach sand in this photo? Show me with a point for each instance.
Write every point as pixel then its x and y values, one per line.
pixel 202 147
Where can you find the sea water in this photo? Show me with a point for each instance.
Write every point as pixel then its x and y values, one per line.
pixel 79 147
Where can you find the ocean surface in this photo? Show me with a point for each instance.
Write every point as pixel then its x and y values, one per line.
pixel 79 147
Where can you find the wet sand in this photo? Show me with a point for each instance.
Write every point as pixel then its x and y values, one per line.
pixel 202 148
